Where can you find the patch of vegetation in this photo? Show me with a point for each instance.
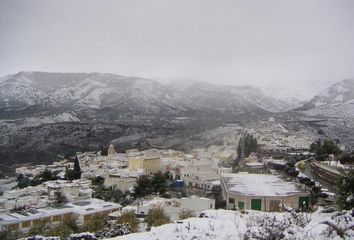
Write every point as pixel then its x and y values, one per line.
pixel 95 223
pixel 45 176
pixel 147 185
pixel 346 190
pixel 72 174
pixel 185 213
pixel 324 149
pixel 129 217
pixel 250 144
pixel 156 217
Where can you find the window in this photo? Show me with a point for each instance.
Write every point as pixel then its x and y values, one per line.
pixel 232 200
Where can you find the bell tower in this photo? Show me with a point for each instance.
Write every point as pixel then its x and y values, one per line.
pixel 111 151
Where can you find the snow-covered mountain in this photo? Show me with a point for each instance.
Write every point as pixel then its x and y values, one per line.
pixel 41 93
pixel 335 101
pixel 231 98
pixel 85 91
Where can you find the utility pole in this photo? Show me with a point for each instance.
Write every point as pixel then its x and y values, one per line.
pixel 243 146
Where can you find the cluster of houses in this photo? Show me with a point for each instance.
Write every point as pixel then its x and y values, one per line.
pixel 272 135
pixel 43 195
pixel 201 169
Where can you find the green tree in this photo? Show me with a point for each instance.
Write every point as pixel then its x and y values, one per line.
pixel 130 218
pixel 47 175
pixel 156 217
pixel 142 187
pixel 324 149
pixel 72 174
pixel 9 235
pixel 346 190
pixel 250 144
pixel 146 185
pixel 69 174
pixel 159 183
pixel 104 150
pixel 77 168
pixel 99 180
pixel 59 199
pixel 22 181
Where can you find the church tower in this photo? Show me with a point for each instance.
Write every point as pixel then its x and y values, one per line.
pixel 111 151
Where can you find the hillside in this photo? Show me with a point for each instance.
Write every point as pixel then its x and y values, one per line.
pixel 223 224
pixel 43 115
pixel 332 111
pixel 39 93
pixel 335 101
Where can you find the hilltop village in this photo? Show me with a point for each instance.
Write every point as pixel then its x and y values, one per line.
pixel 263 167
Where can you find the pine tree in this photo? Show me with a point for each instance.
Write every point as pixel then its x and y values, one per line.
pixel 77 169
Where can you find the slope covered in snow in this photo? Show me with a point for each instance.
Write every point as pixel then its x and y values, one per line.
pixel 335 101
pixel 230 98
pixel 222 224
pixel 83 90
pixel 54 93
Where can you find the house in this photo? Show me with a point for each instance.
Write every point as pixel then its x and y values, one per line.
pixel 83 211
pixel 123 183
pixel 262 192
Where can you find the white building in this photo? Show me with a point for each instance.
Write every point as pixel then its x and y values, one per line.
pixel 83 210
pixel 262 192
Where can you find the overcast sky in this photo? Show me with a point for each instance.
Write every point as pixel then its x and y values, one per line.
pixel 230 42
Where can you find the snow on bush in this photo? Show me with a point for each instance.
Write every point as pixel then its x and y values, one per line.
pixel 224 224
pixel 82 236
pixel 39 237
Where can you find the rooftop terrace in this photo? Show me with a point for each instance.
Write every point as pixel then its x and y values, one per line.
pixel 259 185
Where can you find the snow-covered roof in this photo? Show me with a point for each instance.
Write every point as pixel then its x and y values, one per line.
pixel 88 206
pixel 259 185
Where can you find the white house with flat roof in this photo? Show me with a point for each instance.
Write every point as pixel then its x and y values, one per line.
pixel 262 192
pixel 83 210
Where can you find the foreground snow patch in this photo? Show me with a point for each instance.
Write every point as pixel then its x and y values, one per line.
pixel 223 224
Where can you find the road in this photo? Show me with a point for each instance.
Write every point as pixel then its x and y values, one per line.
pixel 313 176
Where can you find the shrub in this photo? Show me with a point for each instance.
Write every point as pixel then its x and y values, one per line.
pixel 185 213
pixel 129 218
pixel 95 223
pixel 156 217
pixel 346 190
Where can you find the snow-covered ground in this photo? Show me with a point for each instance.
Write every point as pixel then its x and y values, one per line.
pixel 224 224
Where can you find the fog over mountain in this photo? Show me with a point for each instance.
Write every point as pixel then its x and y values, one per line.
pixel 45 114
pixel 78 75
pixel 275 45
pixel 46 93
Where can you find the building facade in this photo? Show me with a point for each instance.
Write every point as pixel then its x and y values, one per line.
pixel 261 192
pixel 149 165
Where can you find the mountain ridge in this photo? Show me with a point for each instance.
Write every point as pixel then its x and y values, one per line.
pixel 101 90
pixel 335 101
